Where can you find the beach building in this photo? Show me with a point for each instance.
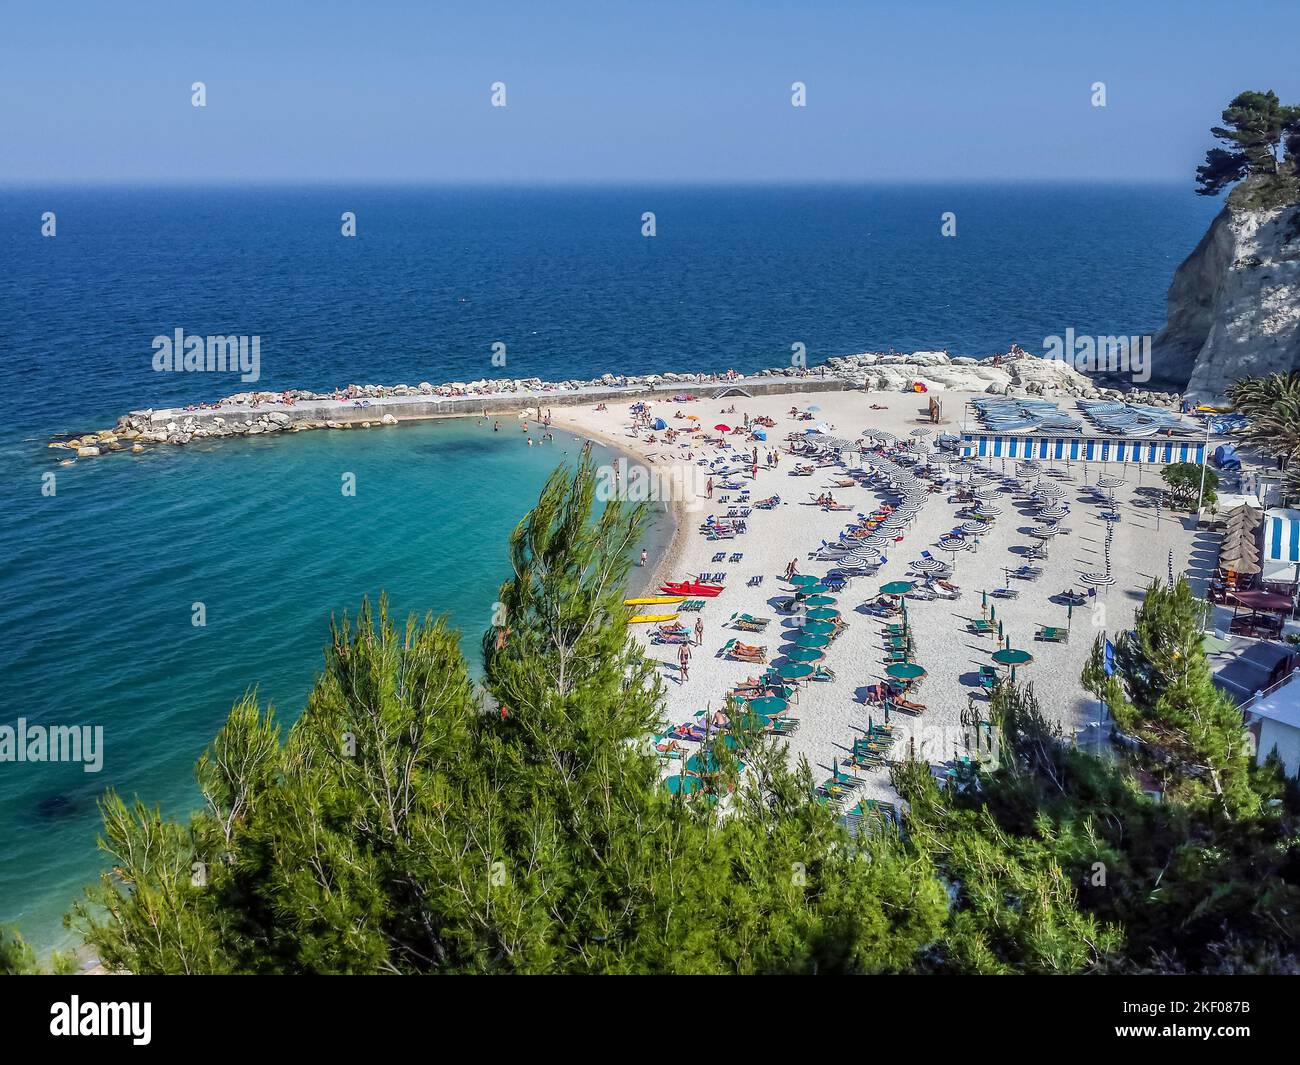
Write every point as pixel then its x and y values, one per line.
pixel 1280 559
pixel 1250 666
pixel 1273 719
pixel 976 444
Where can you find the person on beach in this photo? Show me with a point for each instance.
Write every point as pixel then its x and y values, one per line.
pixel 790 569
pixel 708 488
pixel 683 662
pixel 645 555
pixel 699 631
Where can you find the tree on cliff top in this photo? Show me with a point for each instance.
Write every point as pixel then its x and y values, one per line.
pixel 1254 125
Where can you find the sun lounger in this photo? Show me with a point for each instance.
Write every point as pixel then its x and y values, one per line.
pixel 743 652
pixel 1053 634
pixel 748 622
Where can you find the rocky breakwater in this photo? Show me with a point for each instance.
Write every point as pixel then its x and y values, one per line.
pixel 1015 373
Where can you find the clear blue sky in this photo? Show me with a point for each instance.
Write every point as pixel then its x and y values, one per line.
pixel 614 91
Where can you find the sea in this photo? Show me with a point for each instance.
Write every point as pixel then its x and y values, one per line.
pixel 145 594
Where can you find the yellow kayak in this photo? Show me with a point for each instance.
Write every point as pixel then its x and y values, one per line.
pixel 655 600
pixel 641 619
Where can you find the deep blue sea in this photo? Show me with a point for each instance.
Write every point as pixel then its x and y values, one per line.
pixel 98 581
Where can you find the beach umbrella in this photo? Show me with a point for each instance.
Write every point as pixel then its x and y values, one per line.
pixel 925 430
pixel 875 540
pixel 722 428
pixel 1010 656
pixel 821 600
pixel 1097 580
pixel 802 579
pixel 806 654
pixel 930 565
pixel 897 588
pixel 908 671
pixel 704 762
pixel 952 543
pixel 975 528
pixel 823 613
pixel 767 705
pixel 1111 482
pixel 811 590
pixel 683 785
pixel 810 640
pixel 988 510
pixel 795 671
pixel 993 612
pixel 819 628
pixel 855 561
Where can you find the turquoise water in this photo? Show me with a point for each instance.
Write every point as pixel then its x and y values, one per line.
pixel 99 610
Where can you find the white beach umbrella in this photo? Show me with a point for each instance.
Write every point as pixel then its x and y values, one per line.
pixel 931 565
pixel 1111 482
pixel 875 540
pixel 975 528
pixel 953 543
pixel 1097 580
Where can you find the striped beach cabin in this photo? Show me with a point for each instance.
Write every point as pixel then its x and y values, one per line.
pixel 1280 561
pixel 1156 452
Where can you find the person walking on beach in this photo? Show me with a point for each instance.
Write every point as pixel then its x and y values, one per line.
pixel 645 555
pixel 708 487
pixel 683 662
pixel 699 631
pixel 789 570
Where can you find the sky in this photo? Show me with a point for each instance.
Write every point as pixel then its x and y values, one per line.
pixel 620 92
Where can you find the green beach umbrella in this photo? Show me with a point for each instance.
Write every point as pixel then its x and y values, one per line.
pixel 1011 656
pixel 814 642
pixel 806 654
pixel 993 613
pixel 822 600
pixel 897 588
pixel 818 628
pixel 704 762
pixel 800 580
pixel 767 705
pixel 795 671
pixel 905 671
pixel 683 785
pixel 814 590
pixel 823 613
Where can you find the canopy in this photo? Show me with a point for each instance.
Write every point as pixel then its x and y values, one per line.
pixel 659 423
pixel 1258 599
pixel 1281 559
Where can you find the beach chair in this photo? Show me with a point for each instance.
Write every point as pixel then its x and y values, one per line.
pixel 721 556
pixel 988 678
pixel 1005 593
pixel 1053 634
pixel 748 622
pixel 980 627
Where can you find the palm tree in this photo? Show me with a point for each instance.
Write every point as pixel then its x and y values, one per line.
pixel 1272 405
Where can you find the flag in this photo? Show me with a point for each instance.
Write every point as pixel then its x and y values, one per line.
pixel 1109 659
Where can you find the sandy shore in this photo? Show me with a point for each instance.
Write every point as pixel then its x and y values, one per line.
pixel 833 713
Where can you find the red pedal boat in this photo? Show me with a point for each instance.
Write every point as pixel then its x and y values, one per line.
pixel 692 588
